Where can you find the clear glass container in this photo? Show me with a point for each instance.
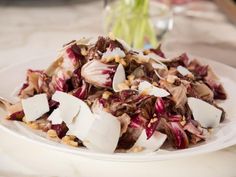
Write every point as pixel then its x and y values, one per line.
pixel 139 26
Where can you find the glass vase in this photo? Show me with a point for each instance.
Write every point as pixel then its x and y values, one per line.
pixel 141 23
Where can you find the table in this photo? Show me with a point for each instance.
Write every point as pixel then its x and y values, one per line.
pixel 32 28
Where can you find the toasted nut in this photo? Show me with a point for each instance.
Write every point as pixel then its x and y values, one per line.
pixel 191 76
pixel 24 119
pixel 107 60
pixel 146 52
pixel 134 87
pixel 117 59
pixel 106 95
pixel 33 125
pixel 65 138
pixel 123 86
pixel 52 133
pixel 171 79
pixel 122 61
pixel 155 84
pixel 131 78
pixel 73 143
pixel 183 122
pixel 69 140
pixel 84 51
pixel 127 82
pixel 137 149
pixel 112 36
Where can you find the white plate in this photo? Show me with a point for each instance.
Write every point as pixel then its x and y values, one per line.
pixel 224 136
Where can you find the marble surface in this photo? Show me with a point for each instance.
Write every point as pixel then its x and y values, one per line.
pixel 32 28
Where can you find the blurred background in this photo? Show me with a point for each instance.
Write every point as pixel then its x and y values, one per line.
pixel 29 28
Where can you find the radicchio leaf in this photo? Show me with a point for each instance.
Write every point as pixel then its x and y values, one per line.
pixel 160 107
pixel 175 118
pixel 180 138
pixel 31 86
pixel 98 74
pixel 158 51
pixel 191 128
pixel 199 71
pixel 61 129
pixel 138 121
pixel 151 127
pixel 217 89
pixel 81 92
pixel 76 78
pixel 18 116
pixel 128 139
pixel 124 121
pixel 52 105
pixel 182 60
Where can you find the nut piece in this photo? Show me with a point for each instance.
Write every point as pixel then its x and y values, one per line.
pixel 33 125
pixel 131 78
pixel 69 140
pixel 106 95
pixel 123 86
pixel 52 133
pixel 171 79
pixel 137 149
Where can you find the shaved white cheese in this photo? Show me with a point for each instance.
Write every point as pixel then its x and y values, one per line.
pixel 75 113
pixel 82 122
pixel 151 144
pixel 116 52
pixel 34 107
pixel 69 105
pixel 104 133
pixel 184 71
pixel 203 112
pixel 149 89
pixel 55 117
pixel 118 78
pixel 157 65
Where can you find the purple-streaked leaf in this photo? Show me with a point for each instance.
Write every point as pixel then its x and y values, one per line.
pixel 61 129
pixel 18 116
pixel 179 136
pixel 160 106
pixel 217 89
pixel 138 121
pixel 81 92
pixel 151 127
pixel 98 74
pixel 158 51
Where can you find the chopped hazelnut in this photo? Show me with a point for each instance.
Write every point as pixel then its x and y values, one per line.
pixel 123 86
pixel 137 149
pixel 106 95
pixel 52 133
pixel 171 79
pixel 122 61
pixel 69 140
pixel 131 78
pixel 33 125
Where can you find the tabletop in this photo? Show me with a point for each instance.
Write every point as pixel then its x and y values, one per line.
pixel 32 28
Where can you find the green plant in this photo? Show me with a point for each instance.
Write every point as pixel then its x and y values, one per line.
pixel 130 20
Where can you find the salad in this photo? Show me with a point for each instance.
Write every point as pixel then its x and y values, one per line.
pixel 107 97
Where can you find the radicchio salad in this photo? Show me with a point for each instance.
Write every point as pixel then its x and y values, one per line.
pixel 108 97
